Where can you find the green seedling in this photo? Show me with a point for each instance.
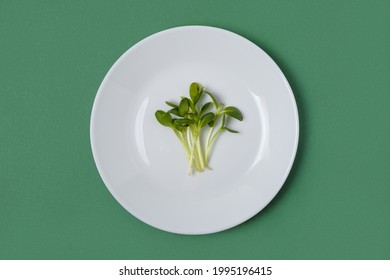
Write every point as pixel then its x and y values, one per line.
pixel 189 119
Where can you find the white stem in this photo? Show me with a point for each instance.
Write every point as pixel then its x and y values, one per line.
pixel 200 154
pixel 193 142
pixel 212 141
pixel 207 144
pixel 189 137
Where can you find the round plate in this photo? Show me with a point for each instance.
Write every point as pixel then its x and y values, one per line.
pixel 143 164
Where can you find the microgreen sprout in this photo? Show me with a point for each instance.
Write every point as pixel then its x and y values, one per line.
pixel 189 119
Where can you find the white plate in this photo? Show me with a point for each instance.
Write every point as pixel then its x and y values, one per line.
pixel 142 163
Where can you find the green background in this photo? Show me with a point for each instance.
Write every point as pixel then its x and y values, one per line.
pixel 336 201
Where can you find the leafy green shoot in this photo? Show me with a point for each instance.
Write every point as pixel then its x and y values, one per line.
pixel 189 119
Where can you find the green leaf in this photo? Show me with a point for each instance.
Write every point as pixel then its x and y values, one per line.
pixel 164 118
pixel 184 121
pixel 212 123
pixel 207 118
pixel 193 116
pixel 174 111
pixel 196 91
pixel 205 107
pixel 230 130
pixel 178 127
pixel 184 106
pixel 171 104
pixel 192 106
pixel 233 112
